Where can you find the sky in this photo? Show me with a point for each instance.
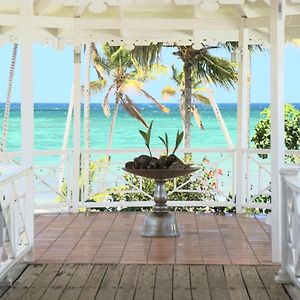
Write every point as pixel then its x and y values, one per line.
pixel 53 75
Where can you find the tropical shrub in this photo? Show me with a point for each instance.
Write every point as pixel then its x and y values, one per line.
pixel 262 136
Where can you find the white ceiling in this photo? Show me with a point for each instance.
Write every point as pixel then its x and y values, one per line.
pixel 61 22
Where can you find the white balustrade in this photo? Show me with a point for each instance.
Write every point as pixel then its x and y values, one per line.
pixel 290 233
pixel 15 226
pixel 54 169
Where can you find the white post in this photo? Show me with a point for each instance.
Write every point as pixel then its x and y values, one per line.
pixel 87 137
pixel 27 107
pixel 66 138
pixel 76 129
pixel 277 119
pixel 242 117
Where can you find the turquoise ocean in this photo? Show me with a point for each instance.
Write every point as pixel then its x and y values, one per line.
pixel 50 122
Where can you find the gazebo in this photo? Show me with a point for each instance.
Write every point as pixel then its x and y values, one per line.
pixel 58 23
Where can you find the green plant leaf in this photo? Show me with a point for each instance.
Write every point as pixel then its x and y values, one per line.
pixel 167 143
pixel 145 136
pixel 179 137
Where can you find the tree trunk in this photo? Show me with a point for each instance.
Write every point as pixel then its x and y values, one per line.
pixel 113 122
pixel 86 116
pixel 186 109
pixel 8 98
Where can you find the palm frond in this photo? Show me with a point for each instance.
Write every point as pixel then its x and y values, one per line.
pixel 168 92
pixel 98 63
pixel 97 86
pixel 147 55
pixel 201 98
pixel 120 58
pixel 197 117
pixel 217 70
pixel 105 103
pixel 231 46
pixel 132 83
pixel 133 110
pixel 177 76
pixel 159 105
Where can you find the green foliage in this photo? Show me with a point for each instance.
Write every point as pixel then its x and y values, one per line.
pixel 262 136
pixel 260 199
pixel 165 142
pixel 147 136
pixel 94 167
pixel 179 137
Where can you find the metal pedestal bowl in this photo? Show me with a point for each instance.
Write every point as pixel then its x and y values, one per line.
pixel 160 222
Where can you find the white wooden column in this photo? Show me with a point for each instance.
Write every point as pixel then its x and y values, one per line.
pixel 76 129
pixel 242 117
pixel 277 118
pixel 27 108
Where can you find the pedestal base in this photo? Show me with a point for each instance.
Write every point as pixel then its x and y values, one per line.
pixel 161 224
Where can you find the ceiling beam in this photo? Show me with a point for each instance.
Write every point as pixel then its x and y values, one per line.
pixel 80 11
pixel 155 24
pixel 41 6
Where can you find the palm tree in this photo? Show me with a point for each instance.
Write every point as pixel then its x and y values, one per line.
pixel 129 69
pixel 8 98
pixel 199 66
pixel 197 95
pixel 232 46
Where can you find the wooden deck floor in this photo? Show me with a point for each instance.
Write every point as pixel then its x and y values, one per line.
pixel 145 282
pixel 109 237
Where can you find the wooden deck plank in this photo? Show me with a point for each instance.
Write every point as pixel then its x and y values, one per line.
pixel 41 284
pixel 220 294
pixel 235 285
pixel 274 290
pixel 253 283
pixel 110 283
pixel 24 282
pixel 145 284
pixel 199 283
pixel 163 284
pixel 201 294
pixel 181 283
pixel 59 283
pixel 93 282
pixel 77 282
pixel 217 283
pixel 258 294
pixel 128 282
pixel 198 277
pixel 251 277
pixel 216 277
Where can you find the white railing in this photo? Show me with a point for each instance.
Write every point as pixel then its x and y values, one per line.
pixel 257 179
pixel 109 180
pixel 16 217
pixel 109 188
pixel 52 172
pixel 290 233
